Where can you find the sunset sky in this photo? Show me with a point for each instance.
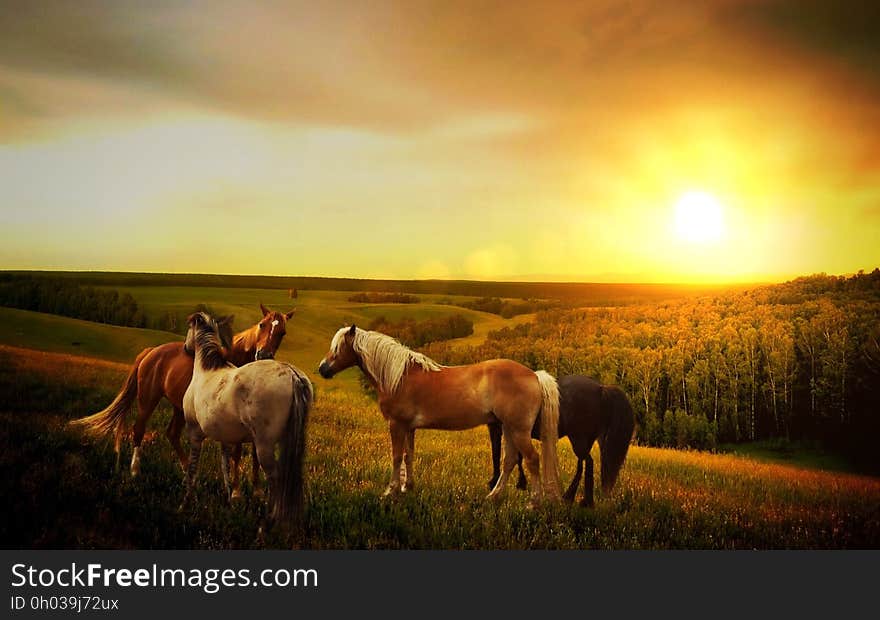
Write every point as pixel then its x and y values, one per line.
pixel 485 140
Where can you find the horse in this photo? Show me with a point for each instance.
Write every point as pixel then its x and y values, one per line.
pixel 166 370
pixel 265 402
pixel 416 392
pixel 588 411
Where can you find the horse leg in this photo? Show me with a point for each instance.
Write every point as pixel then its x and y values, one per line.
pixel 523 442
pixel 196 438
pixel 266 452
pixel 235 451
pixel 398 443
pixel 521 483
pixel 228 453
pixel 255 472
pixel 175 428
pixel 572 488
pixel 507 465
pixel 495 443
pixel 146 404
pixel 408 460
pixel 587 501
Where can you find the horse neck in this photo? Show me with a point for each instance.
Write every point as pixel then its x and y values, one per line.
pixel 207 359
pixel 244 347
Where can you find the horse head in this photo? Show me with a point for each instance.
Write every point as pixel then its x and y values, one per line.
pixel 206 330
pixel 341 354
pixel 270 332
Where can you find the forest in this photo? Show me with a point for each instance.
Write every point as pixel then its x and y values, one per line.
pixel 68 298
pixel 508 308
pixel 414 333
pixel 799 360
pixel 384 298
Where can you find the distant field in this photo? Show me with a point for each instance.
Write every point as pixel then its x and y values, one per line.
pixel 61 491
pixel 587 292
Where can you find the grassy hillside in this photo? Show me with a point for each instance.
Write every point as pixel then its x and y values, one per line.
pixel 63 491
pixel 47 332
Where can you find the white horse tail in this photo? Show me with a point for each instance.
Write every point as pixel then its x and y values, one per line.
pixel 549 435
pixel 289 499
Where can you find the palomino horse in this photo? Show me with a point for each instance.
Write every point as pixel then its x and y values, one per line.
pixel 266 402
pixel 416 392
pixel 166 371
pixel 588 411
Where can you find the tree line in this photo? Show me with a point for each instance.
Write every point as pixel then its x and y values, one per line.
pixel 799 360
pixel 67 298
pixel 415 334
pixel 508 308
pixel 384 298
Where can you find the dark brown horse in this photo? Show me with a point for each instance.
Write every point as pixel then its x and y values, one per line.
pixel 588 411
pixel 166 371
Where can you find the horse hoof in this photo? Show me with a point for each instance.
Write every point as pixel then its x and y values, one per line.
pixel 236 494
pixel 494 497
pixel 389 493
pixel 585 503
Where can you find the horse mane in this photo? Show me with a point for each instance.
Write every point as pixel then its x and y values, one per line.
pixel 209 346
pixel 384 358
pixel 244 340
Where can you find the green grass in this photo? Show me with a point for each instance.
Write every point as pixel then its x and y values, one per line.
pixel 810 455
pixel 47 332
pixel 62 490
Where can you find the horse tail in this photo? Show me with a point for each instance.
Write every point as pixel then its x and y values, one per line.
pixel 549 434
pixel 615 438
pixel 289 502
pixel 112 419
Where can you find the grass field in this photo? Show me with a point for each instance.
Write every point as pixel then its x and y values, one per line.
pixel 62 491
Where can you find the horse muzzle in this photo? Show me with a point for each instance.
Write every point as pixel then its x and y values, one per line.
pixel 264 355
pixel 325 371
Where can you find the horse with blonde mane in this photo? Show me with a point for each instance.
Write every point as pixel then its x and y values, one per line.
pixel 416 392
pixel 166 371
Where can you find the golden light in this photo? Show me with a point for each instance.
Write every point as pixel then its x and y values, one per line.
pixel 699 218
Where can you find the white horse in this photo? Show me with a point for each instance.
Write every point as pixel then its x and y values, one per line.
pixel 266 402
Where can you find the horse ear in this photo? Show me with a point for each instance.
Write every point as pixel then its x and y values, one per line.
pixel 193 318
pixel 290 314
pixel 352 330
pixel 264 309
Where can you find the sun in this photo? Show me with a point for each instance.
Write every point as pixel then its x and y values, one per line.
pixel 699 218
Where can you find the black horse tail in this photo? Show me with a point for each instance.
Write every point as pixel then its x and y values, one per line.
pixel 614 440
pixel 289 501
pixel 112 418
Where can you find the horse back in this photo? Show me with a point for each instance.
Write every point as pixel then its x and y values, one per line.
pixel 165 371
pixel 458 397
pixel 580 407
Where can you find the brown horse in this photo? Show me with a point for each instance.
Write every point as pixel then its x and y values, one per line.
pixel 416 392
pixel 166 371
pixel 588 411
